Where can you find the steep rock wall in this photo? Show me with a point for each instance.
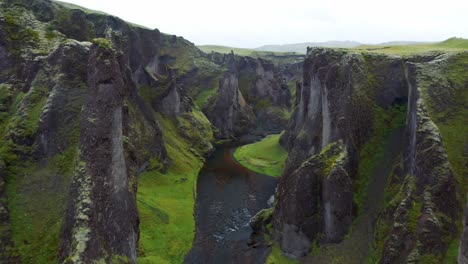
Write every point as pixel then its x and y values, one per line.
pixel 359 99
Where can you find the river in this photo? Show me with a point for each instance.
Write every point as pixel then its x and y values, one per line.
pixel 228 196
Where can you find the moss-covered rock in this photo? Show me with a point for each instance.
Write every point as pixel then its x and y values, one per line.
pixel 343 95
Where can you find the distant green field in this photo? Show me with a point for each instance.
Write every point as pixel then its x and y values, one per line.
pixel 449 45
pixel 284 57
pixel 225 49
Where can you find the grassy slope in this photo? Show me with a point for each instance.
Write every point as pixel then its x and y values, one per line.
pixel 449 45
pixel 266 156
pixel 205 83
pixel 36 198
pixel 166 202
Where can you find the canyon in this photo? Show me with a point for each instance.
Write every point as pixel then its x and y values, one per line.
pixel 122 144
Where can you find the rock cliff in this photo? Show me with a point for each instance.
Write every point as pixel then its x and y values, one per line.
pixel 364 147
pixel 254 95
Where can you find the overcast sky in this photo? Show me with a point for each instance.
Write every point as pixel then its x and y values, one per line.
pixel 252 23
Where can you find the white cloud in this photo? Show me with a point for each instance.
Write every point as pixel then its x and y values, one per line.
pixel 251 23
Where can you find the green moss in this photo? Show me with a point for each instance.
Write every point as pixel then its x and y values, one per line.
pixel 430 259
pixel 330 157
pixel 413 216
pixel 196 127
pixel 372 152
pixel 276 257
pixel 50 32
pixel 453 119
pixel 102 43
pixel 37 202
pixel 19 34
pixel 166 202
pixel 202 98
pixel 452 252
pixel 266 156
pixel 314 249
pixel 381 229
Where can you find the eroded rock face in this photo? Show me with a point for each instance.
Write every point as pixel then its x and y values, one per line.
pixel 231 114
pixel 104 218
pixel 314 202
pixel 429 183
pixel 261 87
pixel 341 99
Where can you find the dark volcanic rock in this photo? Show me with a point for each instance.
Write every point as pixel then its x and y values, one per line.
pixel 314 202
pixel 103 218
pixel 231 114
pixel 340 96
pixel 463 249
pixel 262 88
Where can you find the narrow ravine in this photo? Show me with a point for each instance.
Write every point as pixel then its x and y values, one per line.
pixel 229 195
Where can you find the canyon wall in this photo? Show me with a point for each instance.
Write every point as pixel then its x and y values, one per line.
pixel 364 146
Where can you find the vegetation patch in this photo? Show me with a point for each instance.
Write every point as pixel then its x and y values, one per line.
pixel 37 202
pixel 277 257
pixel 372 152
pixel 266 156
pixel 166 202
pixel 449 45
pixel 102 43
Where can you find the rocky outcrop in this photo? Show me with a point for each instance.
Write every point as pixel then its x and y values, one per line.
pixel 231 114
pixel 354 98
pixel 261 87
pixel 315 202
pixel 103 219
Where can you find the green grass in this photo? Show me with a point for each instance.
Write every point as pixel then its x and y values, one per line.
pixel 276 57
pixel 452 252
pixel 449 45
pixel 276 257
pixel 266 156
pixel 102 43
pixel 166 202
pixel 203 97
pixel 37 202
